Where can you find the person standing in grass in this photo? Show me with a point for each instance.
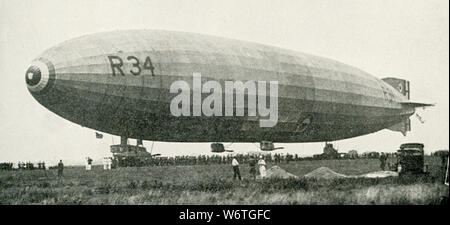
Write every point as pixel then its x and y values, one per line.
pixel 252 164
pixel 89 163
pixel 60 169
pixel 107 163
pixel 236 172
pixel 262 167
pixel 383 158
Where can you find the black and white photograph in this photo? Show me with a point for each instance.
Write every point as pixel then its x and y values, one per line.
pixel 224 103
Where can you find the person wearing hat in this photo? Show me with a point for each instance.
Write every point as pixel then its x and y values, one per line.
pixel 88 163
pixel 262 167
pixel 236 172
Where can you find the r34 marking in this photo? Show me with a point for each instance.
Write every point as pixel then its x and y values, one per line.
pixel 116 65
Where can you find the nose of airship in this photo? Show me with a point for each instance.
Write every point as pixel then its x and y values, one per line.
pixel 40 76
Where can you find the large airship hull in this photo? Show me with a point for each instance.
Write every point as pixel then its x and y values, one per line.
pixel 119 83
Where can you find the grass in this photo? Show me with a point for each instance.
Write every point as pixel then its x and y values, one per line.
pixel 213 184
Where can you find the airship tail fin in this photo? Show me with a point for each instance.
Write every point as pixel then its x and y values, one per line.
pixel 402 127
pixel 400 85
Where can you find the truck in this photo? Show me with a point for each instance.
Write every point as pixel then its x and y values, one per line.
pixel 130 155
pixel 410 159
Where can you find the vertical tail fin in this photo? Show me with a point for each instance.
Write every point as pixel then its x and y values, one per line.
pixel 400 85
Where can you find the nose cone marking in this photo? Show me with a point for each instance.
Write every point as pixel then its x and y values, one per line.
pixel 40 76
pixel 33 76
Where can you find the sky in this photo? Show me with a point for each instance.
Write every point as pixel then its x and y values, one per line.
pixel 406 39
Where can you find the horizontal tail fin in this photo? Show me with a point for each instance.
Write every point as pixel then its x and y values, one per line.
pixel 402 127
pixel 416 104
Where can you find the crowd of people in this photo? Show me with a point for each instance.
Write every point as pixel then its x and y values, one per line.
pixel 218 159
pixel 257 162
pixel 110 162
pixel 22 166
pixel 6 166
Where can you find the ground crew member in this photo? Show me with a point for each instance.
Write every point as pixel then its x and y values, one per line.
pixel 383 158
pixel 262 166
pixel 89 164
pixel 252 164
pixel 236 171
pixel 107 163
pixel 444 159
pixel 60 169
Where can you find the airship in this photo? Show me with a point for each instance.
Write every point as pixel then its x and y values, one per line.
pixel 125 82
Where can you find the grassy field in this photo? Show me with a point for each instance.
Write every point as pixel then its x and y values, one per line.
pixel 213 184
